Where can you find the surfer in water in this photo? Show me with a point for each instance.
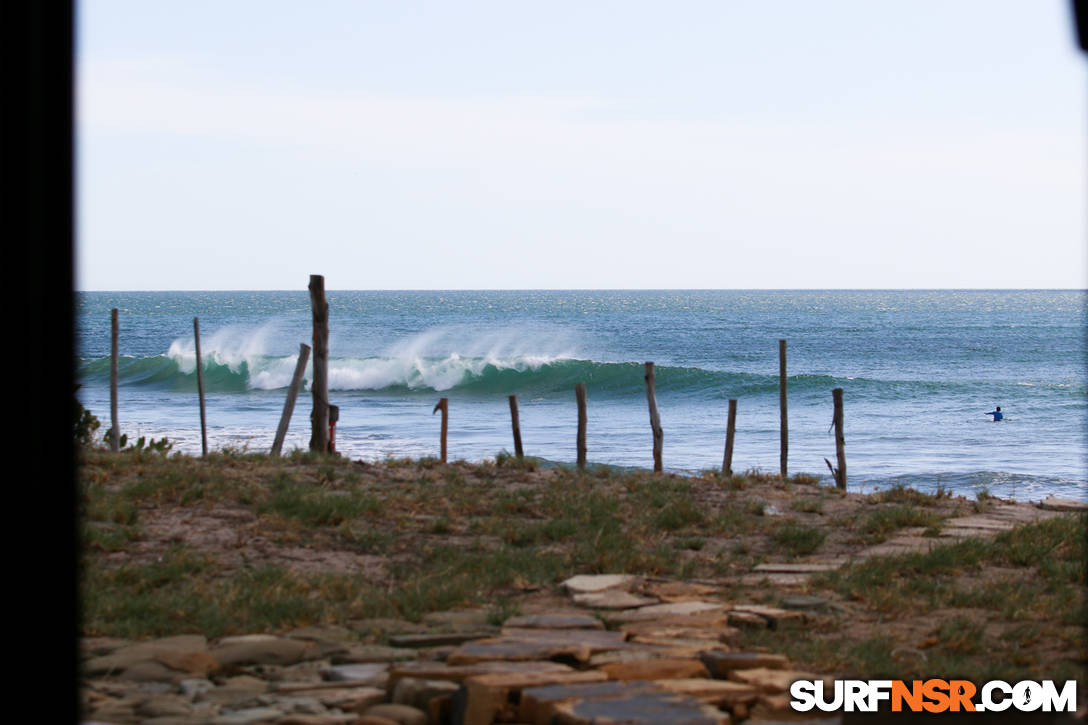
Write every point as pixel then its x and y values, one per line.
pixel 996 413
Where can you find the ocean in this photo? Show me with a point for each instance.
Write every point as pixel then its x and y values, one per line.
pixel 919 370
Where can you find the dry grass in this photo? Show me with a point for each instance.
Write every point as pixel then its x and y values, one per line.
pixel 239 543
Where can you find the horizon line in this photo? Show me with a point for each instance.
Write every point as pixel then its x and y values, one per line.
pixel 613 289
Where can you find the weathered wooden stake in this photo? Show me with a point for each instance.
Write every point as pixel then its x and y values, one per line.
pixel 200 389
pixel 730 431
pixel 517 426
pixel 580 395
pixel 115 429
pixel 444 406
pixel 292 394
pixel 840 439
pixel 784 428
pixel 655 419
pixel 319 438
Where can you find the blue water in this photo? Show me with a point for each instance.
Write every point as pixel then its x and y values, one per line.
pixel 919 371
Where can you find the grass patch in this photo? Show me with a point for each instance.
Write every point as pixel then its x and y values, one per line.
pixel 797 538
pixel 808 505
pixel 901 494
pixel 315 506
pixel 1051 551
pixel 880 524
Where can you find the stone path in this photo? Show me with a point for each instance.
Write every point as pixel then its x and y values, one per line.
pixel 618 649
pixel 998 518
pixel 668 654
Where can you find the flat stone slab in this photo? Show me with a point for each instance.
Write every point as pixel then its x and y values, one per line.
pixel 656 611
pixel 658 669
pixel 656 630
pixel 554 621
pixel 125 657
pixel 775 579
pixel 749 620
pixel 679 645
pixel 354 699
pixel 436 639
pixel 638 652
pixel 891 548
pixel 810 603
pixel 239 651
pixel 797 568
pixel 774 615
pixel 677 591
pixel 587 583
pixel 537 704
pixel 1052 503
pixel 641 708
pixel 957 532
pixel 598 640
pixel 458 673
pixel 246 717
pixel 979 522
pixel 721 664
pixel 517 650
pixel 1021 512
pixel 488 695
pixel 357 673
pixel 613 599
pixel 363 653
pixel 712 692
pixel 772 681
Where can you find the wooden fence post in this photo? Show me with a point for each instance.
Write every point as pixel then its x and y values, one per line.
pixel 840 439
pixel 115 429
pixel 319 438
pixel 730 431
pixel 292 394
pixel 655 419
pixel 200 389
pixel 580 395
pixel 444 406
pixel 784 428
pixel 516 425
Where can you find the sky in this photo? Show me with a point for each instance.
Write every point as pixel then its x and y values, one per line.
pixel 587 144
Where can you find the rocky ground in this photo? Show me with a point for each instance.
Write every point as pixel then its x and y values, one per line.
pixel 724 592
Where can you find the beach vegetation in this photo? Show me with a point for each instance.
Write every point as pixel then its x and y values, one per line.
pixel 84 423
pixel 902 494
pixel 881 523
pixel 808 505
pixel 797 538
pixel 155 559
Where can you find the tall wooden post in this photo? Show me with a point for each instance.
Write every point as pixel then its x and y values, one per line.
pixel 784 428
pixel 115 428
pixel 516 425
pixel 580 395
pixel 319 438
pixel 200 389
pixel 292 394
pixel 840 439
pixel 444 406
pixel 730 432
pixel 655 419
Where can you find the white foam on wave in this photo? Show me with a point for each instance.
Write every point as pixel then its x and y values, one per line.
pixel 234 346
pixel 442 358
pixel 437 359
